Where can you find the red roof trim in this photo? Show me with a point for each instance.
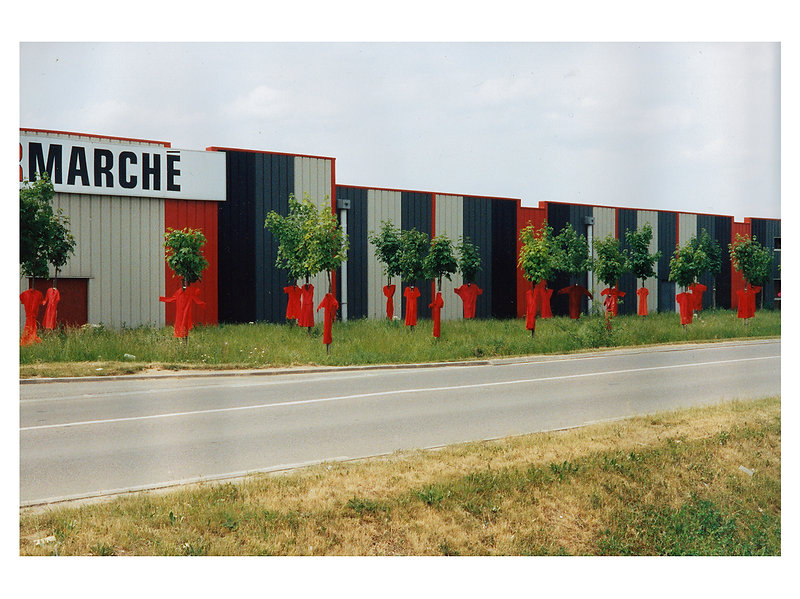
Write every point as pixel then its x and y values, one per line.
pixel 226 149
pixel 441 193
pixel 166 144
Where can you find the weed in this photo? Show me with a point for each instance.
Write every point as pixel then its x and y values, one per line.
pixel 102 549
pixel 361 506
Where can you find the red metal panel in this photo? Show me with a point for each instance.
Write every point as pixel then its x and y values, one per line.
pixel 73 306
pixel 179 214
pixel 737 280
pixel 525 216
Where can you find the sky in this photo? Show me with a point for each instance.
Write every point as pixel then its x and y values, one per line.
pixel 679 126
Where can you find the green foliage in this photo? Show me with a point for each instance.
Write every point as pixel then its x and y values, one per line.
pixel 184 253
pixel 44 236
pixel 752 259
pixel 572 250
pixel 642 262
pixel 440 261
pixel 469 259
pixel 387 248
pixel 611 262
pixel 310 240
pixel 713 252
pixel 413 249
pixel 537 256
pixel 687 263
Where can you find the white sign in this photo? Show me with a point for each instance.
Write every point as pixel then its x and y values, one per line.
pixel 78 166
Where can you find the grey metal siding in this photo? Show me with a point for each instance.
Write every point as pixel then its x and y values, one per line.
pixel 478 228
pixel 765 232
pixel 382 205
pixel 719 227
pixel 650 217
pixel 450 222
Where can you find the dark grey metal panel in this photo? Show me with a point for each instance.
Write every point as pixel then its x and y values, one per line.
pixel 766 232
pixel 274 175
pixel 504 249
pixel 478 228
pixel 236 243
pixel 416 213
pixel 667 240
pixel 558 215
pixel 357 254
pixel 628 221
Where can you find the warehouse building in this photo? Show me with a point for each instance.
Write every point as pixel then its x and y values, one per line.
pixel 122 194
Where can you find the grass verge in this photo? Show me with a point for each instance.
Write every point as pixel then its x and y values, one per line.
pixel 99 351
pixel 704 481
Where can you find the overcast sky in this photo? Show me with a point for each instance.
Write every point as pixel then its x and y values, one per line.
pixel 679 126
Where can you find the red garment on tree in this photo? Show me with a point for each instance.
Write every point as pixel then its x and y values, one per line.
pixel 697 294
pixel 747 302
pixel 643 293
pixel 686 303
pixel 575 293
pixel 541 296
pixel 411 294
pixel 611 301
pixel 331 305
pixel 306 307
pixel 530 310
pixel 32 300
pixel 183 299
pixel 388 291
pixel 436 309
pixel 51 300
pixel 469 296
pixel 293 306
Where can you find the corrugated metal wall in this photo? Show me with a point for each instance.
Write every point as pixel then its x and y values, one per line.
pixel 766 231
pixel 118 246
pixel 737 280
pixel 504 228
pixel 627 220
pixel 478 227
pixel 195 215
pixel 450 221
pixel 719 227
pixel 526 216
pixel 416 211
pixel 383 205
pixel 357 265
pixel 667 239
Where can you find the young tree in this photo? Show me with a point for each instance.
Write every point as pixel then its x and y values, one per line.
pixel 687 264
pixel 469 259
pixel 440 261
pixel 610 265
pixel 713 264
pixel 753 260
pixel 387 249
pixel 573 251
pixel 413 249
pixel 44 236
pixel 184 254
pixel 642 262
pixel 538 260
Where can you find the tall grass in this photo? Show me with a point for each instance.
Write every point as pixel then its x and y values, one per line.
pixel 379 341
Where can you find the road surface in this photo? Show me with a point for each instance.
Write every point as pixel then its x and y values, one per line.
pixel 83 439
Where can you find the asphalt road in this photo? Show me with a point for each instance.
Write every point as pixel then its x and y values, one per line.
pixel 82 439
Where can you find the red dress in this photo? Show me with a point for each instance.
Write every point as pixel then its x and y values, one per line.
pixel 306 307
pixel 293 307
pixel 530 310
pixel 183 299
pixel 469 296
pixel 411 294
pixel 331 305
pixel 686 303
pixel 436 309
pixel 697 294
pixel 643 293
pixel 32 300
pixel 51 299
pixel 575 292
pixel 540 297
pixel 611 301
pixel 388 291
pixel 747 302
